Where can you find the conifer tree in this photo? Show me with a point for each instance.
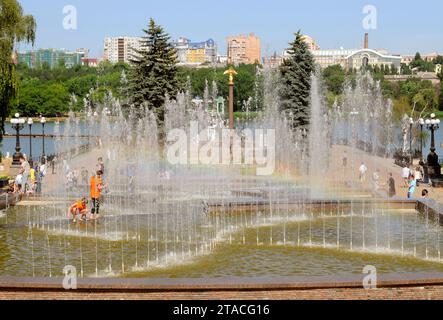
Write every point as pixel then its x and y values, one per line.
pixel 153 74
pixel 295 89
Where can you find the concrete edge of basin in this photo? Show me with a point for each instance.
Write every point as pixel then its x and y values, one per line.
pixel 206 285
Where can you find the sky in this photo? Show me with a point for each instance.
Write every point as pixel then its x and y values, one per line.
pixel 403 26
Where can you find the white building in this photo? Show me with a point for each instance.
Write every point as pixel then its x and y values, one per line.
pixel 121 49
pixel 355 59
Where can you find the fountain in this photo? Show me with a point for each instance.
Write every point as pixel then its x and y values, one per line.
pixel 160 220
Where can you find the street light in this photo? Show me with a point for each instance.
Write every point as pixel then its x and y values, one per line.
pixel 17 124
pixel 433 167
pixel 411 123
pixel 421 122
pixel 43 122
pixel 30 123
pixel 354 114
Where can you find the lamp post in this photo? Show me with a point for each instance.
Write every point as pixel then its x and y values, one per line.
pixel 433 167
pixel 421 122
pixel 30 123
pixel 43 122
pixel 354 114
pixel 411 124
pixel 17 124
pixel 433 125
pixel 231 73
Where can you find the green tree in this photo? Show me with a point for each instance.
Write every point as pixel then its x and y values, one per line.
pixel 153 73
pixel 425 99
pixel 405 69
pixel 14 27
pixel 296 73
pixel 438 60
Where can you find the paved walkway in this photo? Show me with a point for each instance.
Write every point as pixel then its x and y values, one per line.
pixel 386 166
pixel 406 293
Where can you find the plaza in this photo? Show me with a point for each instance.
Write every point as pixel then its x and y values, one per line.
pixel 166 171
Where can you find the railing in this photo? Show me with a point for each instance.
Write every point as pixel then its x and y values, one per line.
pixel 70 154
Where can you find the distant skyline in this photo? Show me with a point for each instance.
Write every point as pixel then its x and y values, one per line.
pixel 402 27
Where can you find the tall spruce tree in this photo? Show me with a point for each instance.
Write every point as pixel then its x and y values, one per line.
pixel 153 74
pixel 295 88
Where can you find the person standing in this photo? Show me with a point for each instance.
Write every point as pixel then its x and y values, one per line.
pixel 43 168
pixel 100 166
pixel 84 174
pixel 363 169
pixel 418 175
pixel 405 174
pixel 412 186
pixel 53 162
pixel 345 160
pixel 18 183
pixel 38 180
pixel 376 179
pixel 26 168
pixel 391 186
pixel 32 178
pixel 96 187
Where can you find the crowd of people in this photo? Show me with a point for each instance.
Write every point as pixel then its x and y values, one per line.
pixel 412 178
pixel 29 178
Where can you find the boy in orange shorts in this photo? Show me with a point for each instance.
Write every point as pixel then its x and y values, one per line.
pixel 79 207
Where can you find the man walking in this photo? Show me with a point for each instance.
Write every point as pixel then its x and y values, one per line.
pixel 363 169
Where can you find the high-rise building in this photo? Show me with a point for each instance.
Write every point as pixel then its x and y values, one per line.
pixel 311 43
pixel 244 49
pixel 273 61
pixel 121 49
pixel 52 57
pixel 195 53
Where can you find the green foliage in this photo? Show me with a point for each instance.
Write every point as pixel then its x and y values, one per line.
pixel 334 78
pixel 401 107
pixel 14 27
pixel 80 80
pixel 38 98
pixel 296 74
pixel 422 65
pixel 153 74
pixel 47 92
pixel 405 69
pixel 247 83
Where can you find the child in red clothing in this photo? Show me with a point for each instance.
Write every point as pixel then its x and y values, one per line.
pixel 79 207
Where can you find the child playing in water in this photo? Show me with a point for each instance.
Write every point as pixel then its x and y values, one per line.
pixel 79 207
pixel 96 187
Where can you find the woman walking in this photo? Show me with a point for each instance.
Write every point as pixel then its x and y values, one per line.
pixel 412 186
